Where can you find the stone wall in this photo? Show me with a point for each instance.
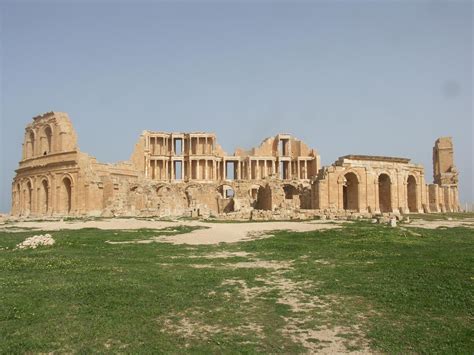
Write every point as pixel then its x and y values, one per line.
pixel 189 174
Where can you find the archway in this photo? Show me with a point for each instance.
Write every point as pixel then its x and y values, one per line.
pixel 43 197
pixel 253 192
pixel 290 191
pixel 226 202
pixel 350 192
pixel 385 198
pixel 412 194
pixel 48 134
pixel 29 196
pixel 226 191
pixel 30 145
pixel 162 190
pixel 264 198
pixel 66 196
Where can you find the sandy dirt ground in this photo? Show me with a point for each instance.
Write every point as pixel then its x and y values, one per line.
pixel 419 223
pixel 212 233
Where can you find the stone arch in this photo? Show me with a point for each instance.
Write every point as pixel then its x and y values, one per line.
pixel 226 198
pixel 29 196
pixel 43 196
pixel 30 144
pixel 162 189
pixel 46 140
pixel 65 194
pixel 385 192
pixel 189 196
pixel 226 191
pixel 264 198
pixel 342 176
pixel 412 193
pixel 350 191
pixel 253 191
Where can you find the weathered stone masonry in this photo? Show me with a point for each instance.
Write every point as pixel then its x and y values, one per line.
pixel 189 174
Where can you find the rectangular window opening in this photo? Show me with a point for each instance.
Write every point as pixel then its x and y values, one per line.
pixel 178 170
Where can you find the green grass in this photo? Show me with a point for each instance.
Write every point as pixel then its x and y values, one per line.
pixel 400 292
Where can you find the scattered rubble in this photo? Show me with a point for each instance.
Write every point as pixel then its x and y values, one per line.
pixel 36 241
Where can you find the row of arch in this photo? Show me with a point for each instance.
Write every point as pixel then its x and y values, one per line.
pixel 351 191
pixel 37 197
pixel 38 142
pixel 259 195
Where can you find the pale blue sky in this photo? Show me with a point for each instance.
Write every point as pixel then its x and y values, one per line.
pixel 382 78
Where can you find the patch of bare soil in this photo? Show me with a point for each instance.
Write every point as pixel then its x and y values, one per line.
pixel 299 296
pixel 336 340
pixel 303 306
pixel 210 233
pixel 236 232
pixel 223 255
pixel 190 327
pixel 420 223
pixel 252 264
pixel 112 223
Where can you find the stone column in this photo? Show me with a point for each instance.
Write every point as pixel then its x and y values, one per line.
pixel 393 194
pixel 146 166
pixel 340 195
pixel 377 198
pixel 74 198
pixel 422 200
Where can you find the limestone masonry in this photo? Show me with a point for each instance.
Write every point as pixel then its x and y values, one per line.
pixel 189 174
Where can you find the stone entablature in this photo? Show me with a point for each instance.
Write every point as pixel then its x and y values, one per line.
pixel 175 174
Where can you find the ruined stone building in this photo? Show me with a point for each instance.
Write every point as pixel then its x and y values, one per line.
pixel 189 174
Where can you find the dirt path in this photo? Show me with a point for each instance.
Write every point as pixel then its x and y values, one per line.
pixel 213 233
pixel 419 223
pixel 236 232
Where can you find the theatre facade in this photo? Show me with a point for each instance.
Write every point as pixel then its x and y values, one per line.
pixel 189 174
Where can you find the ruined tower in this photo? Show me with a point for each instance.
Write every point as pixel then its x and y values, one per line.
pixel 444 171
pixel 444 194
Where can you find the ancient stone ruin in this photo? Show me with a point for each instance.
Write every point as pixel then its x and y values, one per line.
pixel 189 174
